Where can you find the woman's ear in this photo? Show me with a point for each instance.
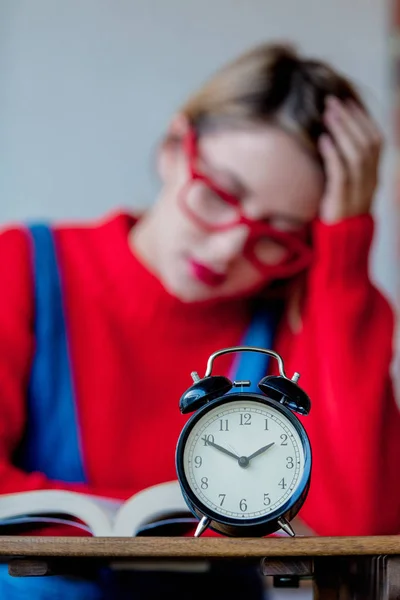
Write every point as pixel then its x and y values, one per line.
pixel 171 146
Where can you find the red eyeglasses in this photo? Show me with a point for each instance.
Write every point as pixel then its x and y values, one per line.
pixel 215 209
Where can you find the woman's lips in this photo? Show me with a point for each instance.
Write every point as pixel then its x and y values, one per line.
pixel 205 274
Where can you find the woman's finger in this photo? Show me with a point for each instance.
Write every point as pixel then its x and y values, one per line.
pixel 333 206
pixel 355 158
pixel 368 124
pixel 351 122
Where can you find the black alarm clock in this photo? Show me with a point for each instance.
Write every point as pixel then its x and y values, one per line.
pixel 243 459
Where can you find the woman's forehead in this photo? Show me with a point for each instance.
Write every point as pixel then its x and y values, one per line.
pixel 268 165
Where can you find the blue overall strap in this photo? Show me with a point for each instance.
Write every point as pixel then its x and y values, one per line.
pixel 51 443
pixel 253 366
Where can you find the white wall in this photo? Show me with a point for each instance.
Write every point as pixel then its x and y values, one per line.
pixel 87 86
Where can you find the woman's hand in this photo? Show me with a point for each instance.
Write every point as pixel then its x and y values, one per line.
pixel 351 153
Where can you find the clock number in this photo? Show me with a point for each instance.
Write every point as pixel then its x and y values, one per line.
pixel 284 439
pixel 245 419
pixel 267 500
pixel 266 425
pixel 223 425
pixel 282 483
pixel 289 462
pixel 223 498
pixel 204 483
pixel 198 461
pixel 243 505
pixel 208 438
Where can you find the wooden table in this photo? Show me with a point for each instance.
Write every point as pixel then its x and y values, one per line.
pixel 340 567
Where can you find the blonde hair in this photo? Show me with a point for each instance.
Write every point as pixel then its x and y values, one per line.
pixel 270 84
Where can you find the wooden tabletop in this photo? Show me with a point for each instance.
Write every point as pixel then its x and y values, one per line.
pixel 177 547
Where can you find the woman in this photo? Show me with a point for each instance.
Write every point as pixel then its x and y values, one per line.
pixel 268 174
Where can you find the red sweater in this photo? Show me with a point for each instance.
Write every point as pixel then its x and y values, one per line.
pixel 133 347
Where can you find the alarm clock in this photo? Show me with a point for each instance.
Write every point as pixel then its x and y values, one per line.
pixel 243 459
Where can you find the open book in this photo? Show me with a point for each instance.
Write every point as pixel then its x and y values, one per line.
pixel 157 510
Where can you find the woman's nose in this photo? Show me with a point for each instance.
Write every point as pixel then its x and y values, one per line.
pixel 229 244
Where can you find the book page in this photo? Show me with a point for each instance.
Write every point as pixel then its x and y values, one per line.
pixel 159 502
pixel 97 514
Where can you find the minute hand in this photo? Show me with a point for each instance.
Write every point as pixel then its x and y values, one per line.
pixel 218 447
pixel 260 451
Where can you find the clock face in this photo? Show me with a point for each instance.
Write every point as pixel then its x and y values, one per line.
pixel 244 459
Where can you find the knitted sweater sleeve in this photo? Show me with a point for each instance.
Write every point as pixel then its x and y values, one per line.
pixel 344 354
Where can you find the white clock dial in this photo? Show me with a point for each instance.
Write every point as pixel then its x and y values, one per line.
pixel 243 459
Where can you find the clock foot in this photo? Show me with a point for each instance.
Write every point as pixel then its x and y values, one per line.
pixel 285 525
pixel 202 526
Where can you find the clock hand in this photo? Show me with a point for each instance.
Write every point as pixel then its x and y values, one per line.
pixel 218 447
pixel 260 451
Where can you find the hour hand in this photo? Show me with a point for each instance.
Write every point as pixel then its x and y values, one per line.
pixel 260 450
pixel 218 447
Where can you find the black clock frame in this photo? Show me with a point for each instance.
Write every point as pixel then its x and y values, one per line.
pixel 258 526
